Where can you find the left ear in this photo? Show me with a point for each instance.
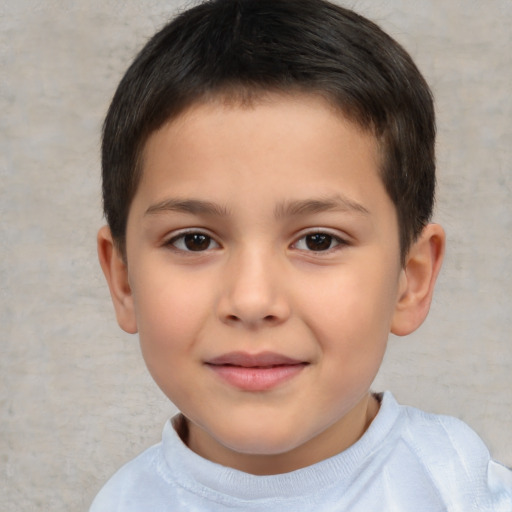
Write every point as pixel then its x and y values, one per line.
pixel 417 280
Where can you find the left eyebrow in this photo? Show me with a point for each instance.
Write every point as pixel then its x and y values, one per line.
pixel 310 206
pixel 192 206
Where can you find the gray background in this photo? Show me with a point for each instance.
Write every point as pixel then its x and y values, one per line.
pixel 75 399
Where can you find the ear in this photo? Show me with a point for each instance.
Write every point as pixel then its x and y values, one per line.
pixel 417 280
pixel 116 272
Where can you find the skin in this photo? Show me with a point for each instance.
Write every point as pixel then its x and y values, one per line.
pixel 256 185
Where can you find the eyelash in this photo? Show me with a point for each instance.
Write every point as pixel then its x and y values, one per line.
pixel 181 239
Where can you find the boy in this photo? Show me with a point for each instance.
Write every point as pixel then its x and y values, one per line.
pixel 268 181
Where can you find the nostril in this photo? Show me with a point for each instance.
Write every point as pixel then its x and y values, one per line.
pixel 236 319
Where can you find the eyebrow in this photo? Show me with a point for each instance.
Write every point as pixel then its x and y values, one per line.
pixel 192 206
pixel 311 206
pixel 282 210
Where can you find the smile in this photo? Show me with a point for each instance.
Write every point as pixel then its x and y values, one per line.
pixel 255 372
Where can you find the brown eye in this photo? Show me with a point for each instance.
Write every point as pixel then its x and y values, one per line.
pixel 197 242
pixel 318 242
pixel 193 242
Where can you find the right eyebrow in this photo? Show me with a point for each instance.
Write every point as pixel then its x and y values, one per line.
pixel 192 206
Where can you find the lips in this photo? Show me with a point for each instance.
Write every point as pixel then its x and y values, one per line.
pixel 255 372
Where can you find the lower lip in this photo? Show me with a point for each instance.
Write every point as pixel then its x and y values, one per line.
pixel 256 379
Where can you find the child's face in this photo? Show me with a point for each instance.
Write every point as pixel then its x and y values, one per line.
pixel 264 269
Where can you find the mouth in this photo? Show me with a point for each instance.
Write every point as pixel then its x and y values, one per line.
pixel 255 372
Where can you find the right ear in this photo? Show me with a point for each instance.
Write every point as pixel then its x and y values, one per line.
pixel 116 273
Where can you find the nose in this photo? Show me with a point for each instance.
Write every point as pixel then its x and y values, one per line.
pixel 253 294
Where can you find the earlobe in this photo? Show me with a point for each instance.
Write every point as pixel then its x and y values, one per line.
pixel 116 273
pixel 417 280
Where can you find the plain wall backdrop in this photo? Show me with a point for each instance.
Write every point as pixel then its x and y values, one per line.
pixel 76 400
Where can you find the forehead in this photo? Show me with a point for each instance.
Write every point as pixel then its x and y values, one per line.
pixel 258 113
pixel 274 144
pixel 245 100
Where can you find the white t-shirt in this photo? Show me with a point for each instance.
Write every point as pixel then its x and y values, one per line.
pixel 407 460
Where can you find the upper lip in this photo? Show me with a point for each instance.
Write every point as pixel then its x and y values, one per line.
pixel 246 360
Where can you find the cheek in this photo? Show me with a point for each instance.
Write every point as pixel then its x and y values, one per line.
pixel 168 324
pixel 170 315
pixel 351 330
pixel 351 313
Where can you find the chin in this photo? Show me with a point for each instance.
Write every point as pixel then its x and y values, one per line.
pixel 259 442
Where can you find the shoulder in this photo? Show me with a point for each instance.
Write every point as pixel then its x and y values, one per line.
pixel 125 485
pixel 433 436
pixel 456 461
